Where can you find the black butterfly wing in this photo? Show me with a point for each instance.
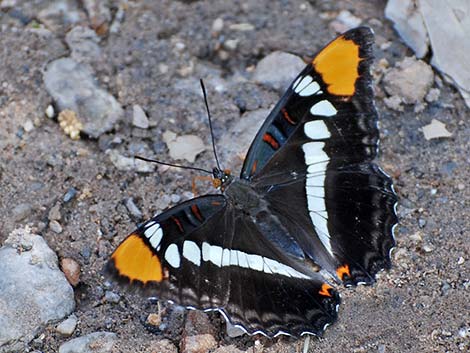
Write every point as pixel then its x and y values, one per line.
pixel 207 255
pixel 312 161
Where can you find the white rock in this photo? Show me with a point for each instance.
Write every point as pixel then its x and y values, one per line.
pixel 96 342
pixel 278 70
pixel 435 130
pixel 67 326
pixel 139 118
pixel 183 147
pixel 33 290
pixel 408 22
pixel 50 113
pixel 448 25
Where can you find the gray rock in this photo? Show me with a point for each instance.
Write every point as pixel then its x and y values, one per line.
pixel 67 326
pixel 132 208
pixel 278 70
pixel 408 22
pixel 410 80
pixel 96 342
pixel 33 291
pixel 73 87
pixel 83 42
pixel 139 118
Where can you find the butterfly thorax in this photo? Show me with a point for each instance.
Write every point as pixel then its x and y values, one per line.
pixel 243 197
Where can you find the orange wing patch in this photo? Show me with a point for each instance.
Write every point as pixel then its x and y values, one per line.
pixel 338 66
pixel 342 271
pixel 325 290
pixel 134 260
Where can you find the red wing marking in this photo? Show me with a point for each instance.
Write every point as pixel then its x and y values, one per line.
pixel 253 167
pixel 196 212
pixel 269 139
pixel 178 223
pixel 287 117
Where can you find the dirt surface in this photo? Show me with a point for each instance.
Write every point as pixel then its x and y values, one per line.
pixel 154 60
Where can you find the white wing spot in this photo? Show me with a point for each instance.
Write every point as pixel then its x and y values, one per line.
pixel 192 252
pixel 311 89
pixel 316 130
pixel 156 238
pixel 306 80
pixel 151 227
pixel 323 108
pixel 172 256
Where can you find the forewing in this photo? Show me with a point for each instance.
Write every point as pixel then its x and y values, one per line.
pixel 164 257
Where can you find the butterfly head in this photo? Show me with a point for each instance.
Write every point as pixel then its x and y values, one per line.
pixel 222 178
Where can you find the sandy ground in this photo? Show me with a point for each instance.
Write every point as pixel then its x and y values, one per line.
pixel 421 305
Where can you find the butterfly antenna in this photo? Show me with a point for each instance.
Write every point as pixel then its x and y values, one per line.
pixel 172 165
pixel 210 123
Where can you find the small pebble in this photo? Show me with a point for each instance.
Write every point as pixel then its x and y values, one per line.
pixel 428 248
pixel 132 208
pixel 139 118
pixel 217 25
pixel 28 126
pixel 175 198
pixel 96 342
pixel 54 213
pixel 111 297
pixel 67 326
pixel 464 332
pixel 445 288
pixel 460 261
pixel 50 113
pixel 198 343
pixel 21 211
pixel 154 319
pixel 421 222
pixel 242 27
pixel 71 270
pixel 55 227
pixel 70 194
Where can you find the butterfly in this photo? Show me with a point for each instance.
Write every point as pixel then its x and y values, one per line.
pixel 309 209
